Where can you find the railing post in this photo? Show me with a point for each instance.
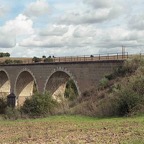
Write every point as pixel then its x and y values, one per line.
pixel 117 56
pixel 99 56
pixel 59 59
pixel 84 57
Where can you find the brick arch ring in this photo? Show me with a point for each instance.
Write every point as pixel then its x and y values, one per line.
pixel 29 71
pixel 3 70
pixel 61 69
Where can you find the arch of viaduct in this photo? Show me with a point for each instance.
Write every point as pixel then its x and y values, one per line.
pixel 24 79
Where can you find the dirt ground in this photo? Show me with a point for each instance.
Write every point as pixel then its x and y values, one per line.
pixel 73 130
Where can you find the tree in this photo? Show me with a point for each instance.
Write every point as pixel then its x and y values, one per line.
pixel 36 59
pixel 49 59
pixel 6 54
pixel 44 56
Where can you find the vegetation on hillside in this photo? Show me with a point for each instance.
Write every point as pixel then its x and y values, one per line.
pixel 120 93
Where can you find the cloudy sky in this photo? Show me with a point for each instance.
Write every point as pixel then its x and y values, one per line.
pixel 71 27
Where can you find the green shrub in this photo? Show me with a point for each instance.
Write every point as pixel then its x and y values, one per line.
pixel 39 105
pixel 48 59
pixel 8 61
pixel 129 67
pixel 36 59
pixel 137 110
pixel 127 100
pixel 71 92
pixel 12 113
pixel 3 105
pixel 137 83
pixel 17 62
pixel 103 83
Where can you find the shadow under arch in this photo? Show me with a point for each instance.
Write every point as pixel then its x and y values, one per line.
pixel 5 84
pixel 56 83
pixel 25 86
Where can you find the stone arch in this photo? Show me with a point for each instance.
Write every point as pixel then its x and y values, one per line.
pixel 56 82
pixel 5 84
pixel 24 85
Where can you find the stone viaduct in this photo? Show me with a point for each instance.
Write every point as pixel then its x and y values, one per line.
pixel 22 79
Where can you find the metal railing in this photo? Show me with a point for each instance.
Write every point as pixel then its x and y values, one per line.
pixel 95 57
pixel 83 58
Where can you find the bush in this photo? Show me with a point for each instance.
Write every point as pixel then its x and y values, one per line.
pixel 103 83
pixel 129 67
pixel 126 101
pixel 17 61
pixel 12 113
pixel 36 59
pixel 137 84
pixel 71 92
pixel 8 61
pixel 39 105
pixel 3 105
pixel 49 59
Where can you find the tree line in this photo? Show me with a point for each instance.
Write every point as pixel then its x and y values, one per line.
pixel 4 54
pixel 44 59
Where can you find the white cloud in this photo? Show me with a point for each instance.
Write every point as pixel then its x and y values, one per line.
pixel 91 16
pixel 99 3
pixel 76 27
pixel 136 22
pixel 38 41
pixel 20 27
pixel 84 31
pixel 80 36
pixel 38 8
pixel 7 40
pixel 3 10
pixel 87 17
pixel 54 30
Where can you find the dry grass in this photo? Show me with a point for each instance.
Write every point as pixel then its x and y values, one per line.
pixel 73 130
pixel 25 60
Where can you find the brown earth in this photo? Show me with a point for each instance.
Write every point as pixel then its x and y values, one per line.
pixel 73 130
